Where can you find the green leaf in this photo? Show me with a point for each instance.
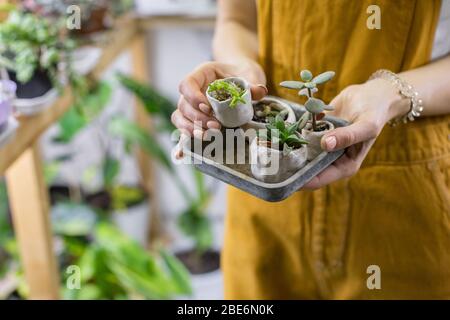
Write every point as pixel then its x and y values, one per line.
pixel 133 134
pixel 324 77
pixel 310 85
pixel 177 272
pixel 314 105
pixel 303 120
pixel 306 75
pixel 292 84
pixel 110 168
pixel 73 219
pixel 155 104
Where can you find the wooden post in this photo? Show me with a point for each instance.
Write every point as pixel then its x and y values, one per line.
pixel 141 73
pixel 30 212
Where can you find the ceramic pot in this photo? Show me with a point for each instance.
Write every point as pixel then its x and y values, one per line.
pixel 314 138
pixel 7 94
pixel 280 106
pixel 237 116
pixel 272 165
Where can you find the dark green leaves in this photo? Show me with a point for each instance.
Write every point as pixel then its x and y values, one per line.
pixel 284 135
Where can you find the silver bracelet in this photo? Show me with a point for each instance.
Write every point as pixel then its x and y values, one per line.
pixel 407 91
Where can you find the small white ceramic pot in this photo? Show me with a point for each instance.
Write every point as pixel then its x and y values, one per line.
pixel 237 116
pixel 271 165
pixel 314 138
pixel 280 106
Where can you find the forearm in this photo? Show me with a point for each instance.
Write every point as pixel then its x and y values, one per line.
pixel 236 40
pixel 433 85
pixel 234 43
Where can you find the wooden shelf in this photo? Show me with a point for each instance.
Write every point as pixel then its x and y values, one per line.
pixel 31 127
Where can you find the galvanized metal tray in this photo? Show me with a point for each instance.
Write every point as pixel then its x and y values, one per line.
pixel 240 176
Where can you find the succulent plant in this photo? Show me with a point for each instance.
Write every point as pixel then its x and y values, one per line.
pixel 307 87
pixel 223 90
pixel 282 134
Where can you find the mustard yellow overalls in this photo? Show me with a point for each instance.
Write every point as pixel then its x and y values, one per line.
pixel 395 213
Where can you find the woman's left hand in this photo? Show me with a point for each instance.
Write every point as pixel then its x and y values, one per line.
pixel 368 107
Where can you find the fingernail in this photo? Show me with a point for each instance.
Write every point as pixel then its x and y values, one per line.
pixel 204 108
pixel 264 87
pixel 198 134
pixel 330 143
pixel 213 124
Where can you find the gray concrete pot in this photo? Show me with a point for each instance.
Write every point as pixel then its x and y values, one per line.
pixel 314 138
pixel 291 118
pixel 237 116
pixel 272 165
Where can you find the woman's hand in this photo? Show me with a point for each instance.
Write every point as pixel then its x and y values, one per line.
pixel 193 106
pixel 368 107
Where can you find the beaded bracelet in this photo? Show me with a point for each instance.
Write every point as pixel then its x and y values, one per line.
pixel 407 91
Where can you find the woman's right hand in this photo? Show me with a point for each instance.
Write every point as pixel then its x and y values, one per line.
pixel 193 106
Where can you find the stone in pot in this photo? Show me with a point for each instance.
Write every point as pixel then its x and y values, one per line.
pixel 231 101
pixel 266 108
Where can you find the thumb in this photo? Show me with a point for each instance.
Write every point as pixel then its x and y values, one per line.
pixel 258 91
pixel 344 137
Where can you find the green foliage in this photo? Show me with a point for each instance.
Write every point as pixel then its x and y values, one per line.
pixel 283 135
pixel 134 135
pixel 29 43
pixel 307 86
pixel 115 267
pixel 73 219
pixel 316 106
pixel 193 222
pixel 84 111
pixel 124 197
pixel 228 89
pixel 154 103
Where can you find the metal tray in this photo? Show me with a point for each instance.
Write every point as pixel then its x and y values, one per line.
pixel 239 175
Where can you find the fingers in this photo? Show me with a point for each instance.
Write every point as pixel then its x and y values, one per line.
pixel 258 91
pixel 201 116
pixel 342 168
pixel 344 137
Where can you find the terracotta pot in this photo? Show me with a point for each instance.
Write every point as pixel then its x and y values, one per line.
pixel 272 165
pixel 314 138
pixel 237 116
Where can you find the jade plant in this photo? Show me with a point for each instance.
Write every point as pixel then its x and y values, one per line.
pixel 223 90
pixel 307 87
pixel 283 135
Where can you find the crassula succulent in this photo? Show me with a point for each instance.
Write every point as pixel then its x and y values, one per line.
pixel 307 87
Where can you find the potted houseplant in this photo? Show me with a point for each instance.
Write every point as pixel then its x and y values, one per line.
pixel 7 94
pixel 278 151
pixel 268 108
pixel 231 101
pixel 315 127
pixel 201 259
pixel 32 50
